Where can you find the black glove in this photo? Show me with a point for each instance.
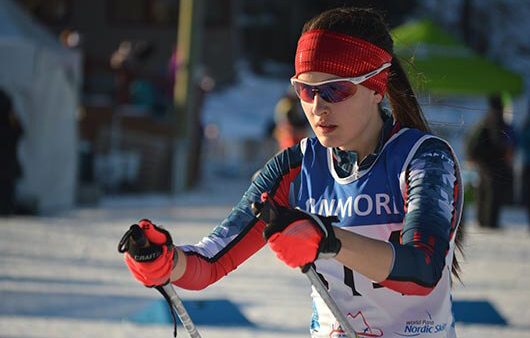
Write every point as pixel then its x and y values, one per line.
pixel 293 233
pixel 136 243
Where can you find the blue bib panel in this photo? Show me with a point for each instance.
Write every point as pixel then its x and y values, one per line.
pixel 372 197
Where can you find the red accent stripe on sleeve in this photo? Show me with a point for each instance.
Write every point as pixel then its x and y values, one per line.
pixel 201 272
pixel 281 196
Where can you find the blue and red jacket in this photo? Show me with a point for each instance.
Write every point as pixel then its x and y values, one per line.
pixel 408 192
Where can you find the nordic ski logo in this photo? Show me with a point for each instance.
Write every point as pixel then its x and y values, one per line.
pixel 360 326
pixel 422 327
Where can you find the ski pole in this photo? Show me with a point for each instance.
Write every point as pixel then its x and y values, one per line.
pixel 308 269
pixel 326 297
pixel 177 304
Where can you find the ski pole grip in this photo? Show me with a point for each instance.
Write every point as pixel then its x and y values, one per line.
pixel 138 236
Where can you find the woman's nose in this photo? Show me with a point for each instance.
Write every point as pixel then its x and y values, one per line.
pixel 320 106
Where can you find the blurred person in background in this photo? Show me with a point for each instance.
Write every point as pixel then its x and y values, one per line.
pixel 10 170
pixel 525 149
pixel 373 202
pixel 134 83
pixel 491 149
pixel 290 124
pixel 121 61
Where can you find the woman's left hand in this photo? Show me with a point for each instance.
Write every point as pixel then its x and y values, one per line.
pixel 298 238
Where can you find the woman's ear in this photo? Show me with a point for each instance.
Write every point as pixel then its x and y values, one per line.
pixel 377 98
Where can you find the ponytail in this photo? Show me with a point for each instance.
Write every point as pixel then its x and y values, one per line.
pixel 405 106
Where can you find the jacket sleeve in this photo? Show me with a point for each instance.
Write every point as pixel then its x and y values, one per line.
pixel 239 236
pixel 433 209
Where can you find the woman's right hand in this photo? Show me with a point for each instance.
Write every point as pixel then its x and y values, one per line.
pixel 149 253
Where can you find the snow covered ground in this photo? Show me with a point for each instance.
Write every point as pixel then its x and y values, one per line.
pixel 61 276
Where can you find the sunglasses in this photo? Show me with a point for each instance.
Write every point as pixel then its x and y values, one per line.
pixel 334 90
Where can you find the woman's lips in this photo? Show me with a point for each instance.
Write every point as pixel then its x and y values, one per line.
pixel 326 128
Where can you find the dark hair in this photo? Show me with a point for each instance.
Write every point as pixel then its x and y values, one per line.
pixel 369 25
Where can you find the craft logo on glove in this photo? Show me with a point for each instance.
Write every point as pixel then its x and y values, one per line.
pixel 147 254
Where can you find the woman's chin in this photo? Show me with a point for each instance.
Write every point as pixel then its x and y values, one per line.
pixel 328 142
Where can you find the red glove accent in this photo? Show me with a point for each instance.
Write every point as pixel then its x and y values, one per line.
pixel 297 237
pixel 297 245
pixel 152 273
pixel 151 265
pixel 152 232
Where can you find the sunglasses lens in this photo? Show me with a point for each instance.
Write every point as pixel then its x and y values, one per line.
pixel 331 92
pixel 337 91
pixel 305 92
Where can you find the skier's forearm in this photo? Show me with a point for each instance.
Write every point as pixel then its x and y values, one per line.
pixel 180 265
pixel 370 257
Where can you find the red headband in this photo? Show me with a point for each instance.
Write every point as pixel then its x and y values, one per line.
pixel 341 55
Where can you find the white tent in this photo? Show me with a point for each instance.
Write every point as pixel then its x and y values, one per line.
pixel 42 77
